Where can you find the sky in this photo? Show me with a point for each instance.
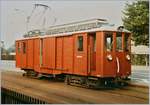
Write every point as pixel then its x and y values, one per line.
pixel 13 14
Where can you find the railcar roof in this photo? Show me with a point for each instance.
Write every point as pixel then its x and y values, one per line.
pixel 95 20
pixel 88 26
pixel 71 33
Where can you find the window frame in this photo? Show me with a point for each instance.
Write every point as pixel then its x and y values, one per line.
pixel 127 44
pixel 78 43
pixel 118 49
pixel 108 35
pixel 24 47
pixel 18 47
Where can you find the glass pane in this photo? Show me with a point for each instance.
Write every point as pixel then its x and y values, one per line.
pixel 127 42
pixel 80 43
pixel 119 41
pixel 18 45
pixel 24 47
pixel 109 41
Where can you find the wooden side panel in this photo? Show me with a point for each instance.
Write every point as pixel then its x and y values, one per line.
pixel 45 54
pixel 127 64
pixel 18 57
pixel 99 53
pixel 36 55
pixel 49 53
pixel 80 57
pixel 122 66
pixel 52 52
pixel 110 68
pixel 91 52
pixel 68 54
pixel 30 55
pixel 59 53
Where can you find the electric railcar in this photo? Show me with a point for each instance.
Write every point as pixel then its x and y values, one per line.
pixel 89 53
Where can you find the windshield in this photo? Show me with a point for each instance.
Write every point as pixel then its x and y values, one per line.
pixel 119 41
pixel 108 41
pixel 127 42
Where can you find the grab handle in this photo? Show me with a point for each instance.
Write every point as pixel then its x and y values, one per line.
pixel 118 65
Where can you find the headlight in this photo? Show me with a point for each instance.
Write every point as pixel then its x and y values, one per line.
pixel 109 57
pixel 128 57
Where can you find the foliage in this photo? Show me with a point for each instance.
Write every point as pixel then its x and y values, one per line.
pixel 136 20
pixel 140 59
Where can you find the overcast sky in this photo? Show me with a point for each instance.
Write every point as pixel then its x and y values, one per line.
pixel 14 14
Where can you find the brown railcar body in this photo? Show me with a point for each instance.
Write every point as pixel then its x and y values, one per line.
pixel 82 54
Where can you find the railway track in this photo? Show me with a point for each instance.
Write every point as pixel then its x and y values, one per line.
pixel 130 93
pixel 52 91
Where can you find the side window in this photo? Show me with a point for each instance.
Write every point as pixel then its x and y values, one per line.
pixel 80 43
pixel 127 42
pixel 24 47
pixel 18 46
pixel 118 41
pixel 108 41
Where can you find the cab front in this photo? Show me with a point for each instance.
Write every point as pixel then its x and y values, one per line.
pixel 116 54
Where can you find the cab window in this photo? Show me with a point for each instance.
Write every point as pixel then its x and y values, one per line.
pixel 119 41
pixel 108 41
pixel 80 43
pixel 126 42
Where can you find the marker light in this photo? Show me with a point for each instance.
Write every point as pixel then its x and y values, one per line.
pixel 128 57
pixel 109 57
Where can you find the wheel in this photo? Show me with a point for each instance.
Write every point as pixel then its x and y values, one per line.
pixel 38 76
pixel 67 80
pixel 87 83
pixel 24 74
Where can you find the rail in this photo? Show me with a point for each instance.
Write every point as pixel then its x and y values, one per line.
pixel 12 97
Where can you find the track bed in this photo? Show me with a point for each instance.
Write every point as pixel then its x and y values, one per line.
pixel 54 91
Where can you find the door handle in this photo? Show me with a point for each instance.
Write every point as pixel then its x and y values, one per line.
pixel 89 60
pixel 118 65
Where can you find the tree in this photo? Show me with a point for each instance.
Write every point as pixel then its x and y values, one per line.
pixel 136 20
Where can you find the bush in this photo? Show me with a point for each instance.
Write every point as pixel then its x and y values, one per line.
pixel 140 59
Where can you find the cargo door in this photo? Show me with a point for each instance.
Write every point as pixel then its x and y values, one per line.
pixel 68 54
pixel 30 54
pixel 48 53
pixel 80 56
pixel 36 53
pixel 59 53
pixel 91 53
